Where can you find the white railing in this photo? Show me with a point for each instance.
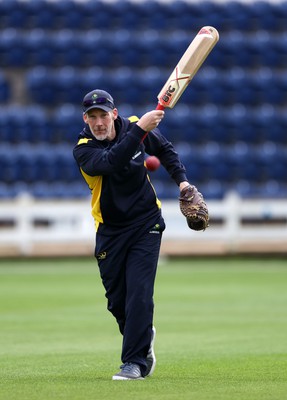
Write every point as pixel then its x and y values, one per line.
pixel 30 227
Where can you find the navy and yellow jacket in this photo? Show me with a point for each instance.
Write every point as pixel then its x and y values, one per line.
pixel 122 194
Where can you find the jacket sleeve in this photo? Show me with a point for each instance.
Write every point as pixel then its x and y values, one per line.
pixel 95 160
pixel 156 144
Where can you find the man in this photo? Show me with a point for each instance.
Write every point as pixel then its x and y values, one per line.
pixel 111 156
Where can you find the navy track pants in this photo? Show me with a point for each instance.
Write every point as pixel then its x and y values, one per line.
pixel 128 264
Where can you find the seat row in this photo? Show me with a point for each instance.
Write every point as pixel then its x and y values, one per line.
pixel 141 15
pixel 112 48
pixel 51 87
pixel 31 164
pixel 225 126
pixel 214 189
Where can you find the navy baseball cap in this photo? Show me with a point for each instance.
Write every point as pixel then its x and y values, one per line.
pixel 98 99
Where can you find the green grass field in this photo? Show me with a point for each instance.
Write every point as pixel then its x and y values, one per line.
pixel 221 331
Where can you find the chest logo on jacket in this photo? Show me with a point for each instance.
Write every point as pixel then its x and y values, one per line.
pixel 138 153
pixel 101 256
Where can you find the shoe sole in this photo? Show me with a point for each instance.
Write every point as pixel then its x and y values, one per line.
pixel 123 378
pixel 152 353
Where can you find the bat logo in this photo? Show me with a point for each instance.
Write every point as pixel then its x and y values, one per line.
pixel 168 94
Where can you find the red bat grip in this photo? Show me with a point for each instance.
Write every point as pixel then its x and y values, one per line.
pixel 158 107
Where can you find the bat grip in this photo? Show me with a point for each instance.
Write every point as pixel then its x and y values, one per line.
pixel 158 107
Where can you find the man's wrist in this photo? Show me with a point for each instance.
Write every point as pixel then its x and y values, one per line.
pixel 183 184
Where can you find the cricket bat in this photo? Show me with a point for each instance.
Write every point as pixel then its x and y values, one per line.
pixel 187 67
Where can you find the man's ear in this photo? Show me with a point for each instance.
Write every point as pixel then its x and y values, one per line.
pixel 85 118
pixel 115 113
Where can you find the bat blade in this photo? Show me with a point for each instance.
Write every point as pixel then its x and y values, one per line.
pixel 188 66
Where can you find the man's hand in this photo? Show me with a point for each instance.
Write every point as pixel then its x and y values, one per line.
pixel 150 120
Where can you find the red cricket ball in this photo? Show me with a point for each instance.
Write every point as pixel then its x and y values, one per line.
pixel 152 163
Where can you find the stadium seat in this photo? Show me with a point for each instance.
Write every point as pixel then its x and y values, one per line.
pixel 41 14
pixel 165 190
pixel 20 124
pixel 5 89
pixel 8 168
pixel 13 14
pixel 6 191
pixel 275 128
pixel 263 15
pixel 66 89
pixel 213 189
pixel 41 190
pixel 74 18
pixel 40 48
pixel 68 49
pixel 99 15
pixel 273 189
pixel 77 190
pixel 68 123
pixel 97 78
pixel 40 86
pixel 13 51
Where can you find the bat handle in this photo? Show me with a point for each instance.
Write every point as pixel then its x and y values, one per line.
pixel 158 107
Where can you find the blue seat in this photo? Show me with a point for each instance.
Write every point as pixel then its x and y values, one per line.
pixel 17 17
pixel 7 161
pixel 277 170
pixel 13 50
pixel 98 15
pixel 148 89
pixel 262 12
pixel 13 14
pixel 67 85
pixel 35 163
pixel 40 86
pixel 77 190
pixel 40 48
pixel 272 189
pixel 245 188
pixel 41 14
pixel 272 157
pixel 280 10
pixel 213 189
pixel 123 15
pixel 69 49
pixel 235 15
pixel 23 123
pixel 6 191
pixel 165 190
pixel 5 135
pixel 68 123
pixel 247 164
pixel 74 17
pixel 67 169
pixel 224 56
pixel 27 169
pixel 276 128
pixel 41 190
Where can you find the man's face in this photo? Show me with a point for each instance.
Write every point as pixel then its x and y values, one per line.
pixel 101 123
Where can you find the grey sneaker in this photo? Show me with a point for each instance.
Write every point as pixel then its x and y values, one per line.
pixel 150 359
pixel 129 371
